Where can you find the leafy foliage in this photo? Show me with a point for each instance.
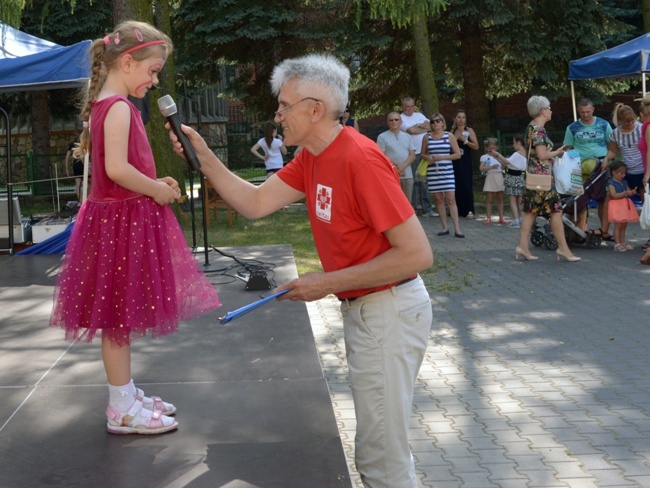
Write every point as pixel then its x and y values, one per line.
pixel 10 11
pixel 401 13
pixel 256 36
pixel 527 46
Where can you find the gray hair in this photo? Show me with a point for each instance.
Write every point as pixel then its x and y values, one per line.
pixel 320 72
pixel 536 104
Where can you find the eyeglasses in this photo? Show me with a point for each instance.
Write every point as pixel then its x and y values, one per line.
pixel 280 112
pixel 435 121
pixel 547 108
pixel 394 120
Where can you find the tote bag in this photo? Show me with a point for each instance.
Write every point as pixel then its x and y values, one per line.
pixel 644 218
pixel 568 173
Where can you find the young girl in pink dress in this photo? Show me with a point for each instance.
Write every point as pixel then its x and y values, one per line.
pixel 128 271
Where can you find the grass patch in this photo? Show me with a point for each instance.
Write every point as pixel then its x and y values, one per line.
pixel 290 226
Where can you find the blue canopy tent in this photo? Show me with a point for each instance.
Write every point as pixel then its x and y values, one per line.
pixel 29 63
pixel 628 59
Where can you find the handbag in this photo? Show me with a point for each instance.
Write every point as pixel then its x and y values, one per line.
pixel 535 182
pixel 421 172
pixel 644 218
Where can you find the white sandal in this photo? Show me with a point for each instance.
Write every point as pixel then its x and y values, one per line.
pixel 138 420
pixel 155 403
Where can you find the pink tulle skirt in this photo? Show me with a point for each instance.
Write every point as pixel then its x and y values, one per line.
pixel 128 272
pixel 622 210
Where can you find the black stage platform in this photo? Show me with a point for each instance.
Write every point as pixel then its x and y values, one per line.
pixel 253 406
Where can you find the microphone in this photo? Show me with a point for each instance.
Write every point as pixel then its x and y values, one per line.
pixel 168 109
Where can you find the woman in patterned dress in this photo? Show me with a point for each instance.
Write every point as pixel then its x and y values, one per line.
pixel 540 161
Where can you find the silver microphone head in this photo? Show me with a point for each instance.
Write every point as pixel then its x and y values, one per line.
pixel 167 106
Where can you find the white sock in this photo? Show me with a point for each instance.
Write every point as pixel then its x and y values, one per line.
pixel 121 397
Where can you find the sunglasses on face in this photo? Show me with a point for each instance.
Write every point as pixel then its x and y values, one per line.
pixel 436 121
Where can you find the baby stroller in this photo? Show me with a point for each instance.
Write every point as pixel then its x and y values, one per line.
pixel 574 216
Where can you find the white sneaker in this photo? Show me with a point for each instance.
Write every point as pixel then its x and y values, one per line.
pixel 514 224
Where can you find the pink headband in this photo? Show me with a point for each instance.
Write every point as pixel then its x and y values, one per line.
pixel 141 46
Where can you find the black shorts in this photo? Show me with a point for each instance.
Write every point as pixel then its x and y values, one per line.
pixel 635 181
pixel 78 168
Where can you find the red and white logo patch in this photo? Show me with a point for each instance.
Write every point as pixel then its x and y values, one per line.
pixel 324 202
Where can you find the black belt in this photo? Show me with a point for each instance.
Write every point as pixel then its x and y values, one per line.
pixel 514 172
pixel 407 280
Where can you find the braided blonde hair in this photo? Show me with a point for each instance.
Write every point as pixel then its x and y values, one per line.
pixel 137 39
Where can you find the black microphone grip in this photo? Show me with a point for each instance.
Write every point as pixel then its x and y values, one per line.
pixel 188 150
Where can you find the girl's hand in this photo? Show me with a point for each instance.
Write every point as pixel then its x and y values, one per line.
pixel 171 182
pixel 165 194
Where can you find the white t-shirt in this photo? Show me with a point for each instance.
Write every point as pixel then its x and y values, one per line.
pixel 490 161
pixel 517 162
pixel 409 121
pixel 275 160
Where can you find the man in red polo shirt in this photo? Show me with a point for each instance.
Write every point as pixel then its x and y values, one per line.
pixel 371 246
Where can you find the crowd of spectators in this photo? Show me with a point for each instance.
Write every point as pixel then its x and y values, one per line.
pixel 436 164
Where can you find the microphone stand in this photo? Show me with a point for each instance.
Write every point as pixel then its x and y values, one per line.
pixel 204 196
pixel 190 172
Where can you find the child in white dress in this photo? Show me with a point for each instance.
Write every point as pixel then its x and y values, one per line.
pixel 493 179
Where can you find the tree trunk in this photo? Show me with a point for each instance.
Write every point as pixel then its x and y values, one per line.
pixel 167 161
pixel 423 65
pixel 476 102
pixel 645 6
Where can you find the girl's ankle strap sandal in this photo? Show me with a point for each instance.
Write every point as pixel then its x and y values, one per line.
pixel 138 420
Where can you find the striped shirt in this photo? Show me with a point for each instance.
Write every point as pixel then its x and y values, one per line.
pixel 628 144
pixel 440 175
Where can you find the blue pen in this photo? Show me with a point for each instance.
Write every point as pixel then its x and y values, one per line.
pixel 248 308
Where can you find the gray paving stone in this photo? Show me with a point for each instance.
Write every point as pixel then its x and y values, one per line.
pixel 528 380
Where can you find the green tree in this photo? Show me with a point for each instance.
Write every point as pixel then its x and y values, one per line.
pixel 10 11
pixel 255 36
pixel 498 48
pixel 414 14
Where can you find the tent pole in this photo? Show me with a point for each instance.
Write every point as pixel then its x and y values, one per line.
pixel 10 187
pixel 573 100
pixel 643 83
